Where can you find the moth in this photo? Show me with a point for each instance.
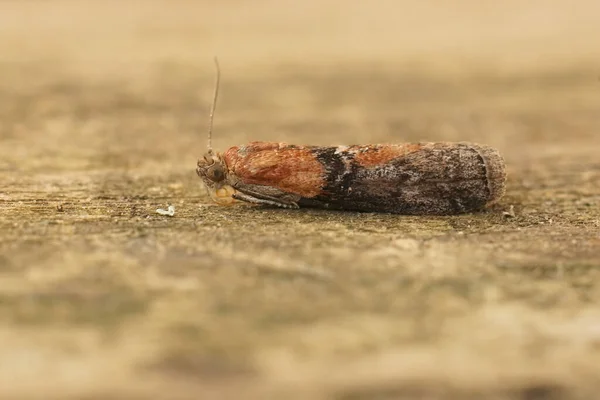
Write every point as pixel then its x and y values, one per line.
pixel 430 178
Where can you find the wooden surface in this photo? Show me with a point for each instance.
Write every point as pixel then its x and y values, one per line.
pixel 103 113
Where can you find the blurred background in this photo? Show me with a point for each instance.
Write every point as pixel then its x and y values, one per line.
pixel 104 112
pixel 324 72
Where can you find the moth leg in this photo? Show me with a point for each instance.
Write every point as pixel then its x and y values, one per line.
pixel 265 195
pixel 244 197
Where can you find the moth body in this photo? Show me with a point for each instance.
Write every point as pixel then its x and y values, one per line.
pixel 409 178
pixel 412 178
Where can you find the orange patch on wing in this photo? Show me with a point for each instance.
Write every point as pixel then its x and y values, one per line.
pixel 293 169
pixel 371 156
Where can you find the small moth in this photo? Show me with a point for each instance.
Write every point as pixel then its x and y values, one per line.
pixel 410 178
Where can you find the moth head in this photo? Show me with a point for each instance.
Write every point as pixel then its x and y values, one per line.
pixel 213 172
pixel 212 169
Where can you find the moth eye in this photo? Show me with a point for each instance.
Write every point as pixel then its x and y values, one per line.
pixel 216 174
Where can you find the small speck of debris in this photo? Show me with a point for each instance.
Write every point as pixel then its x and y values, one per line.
pixel 170 211
pixel 510 213
pixel 60 208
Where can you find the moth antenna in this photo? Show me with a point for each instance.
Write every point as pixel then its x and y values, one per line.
pixel 213 106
